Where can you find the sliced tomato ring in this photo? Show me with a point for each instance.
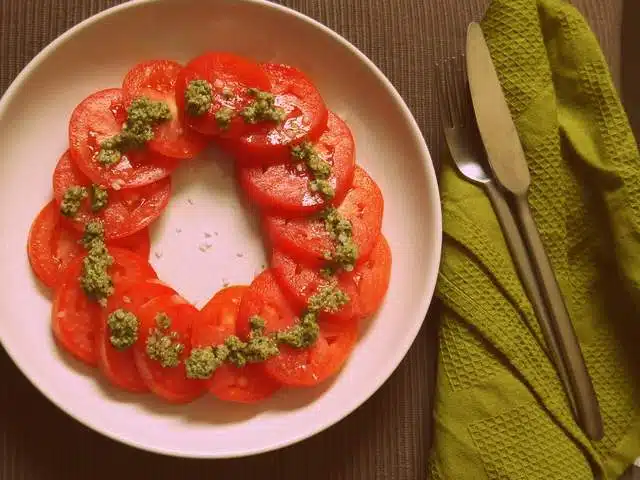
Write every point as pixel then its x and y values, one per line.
pixel 230 77
pixel 53 245
pixel 217 321
pixel 305 238
pixel 306 118
pixel 75 317
pixel 372 277
pixel 169 383
pixel 127 212
pixel 300 282
pixel 119 365
pixel 284 189
pixel 156 80
pixel 99 117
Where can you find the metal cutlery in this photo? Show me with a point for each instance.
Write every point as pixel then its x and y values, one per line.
pixel 509 166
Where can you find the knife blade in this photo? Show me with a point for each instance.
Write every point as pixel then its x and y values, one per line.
pixel 507 160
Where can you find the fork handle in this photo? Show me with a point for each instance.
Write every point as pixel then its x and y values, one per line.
pixel 588 410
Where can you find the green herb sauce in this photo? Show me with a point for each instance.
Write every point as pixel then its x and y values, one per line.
pixel 162 344
pixel 99 198
pixel 123 328
pixel 198 97
pixel 319 168
pixel 224 117
pixel 340 229
pixel 72 200
pixel 262 109
pixel 95 279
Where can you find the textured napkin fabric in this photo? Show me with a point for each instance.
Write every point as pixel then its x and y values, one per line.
pixel 500 411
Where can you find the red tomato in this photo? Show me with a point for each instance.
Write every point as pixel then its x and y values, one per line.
pixel 372 277
pixel 127 212
pixel 98 117
pixel 230 77
pixel 300 282
pixel 306 118
pixel 284 189
pixel 306 240
pixel 119 365
pixel 53 245
pixel 217 321
pixel 75 317
pixel 169 383
pixel 156 80
pixel 295 367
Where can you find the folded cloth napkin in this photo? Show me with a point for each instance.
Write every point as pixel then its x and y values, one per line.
pixel 500 410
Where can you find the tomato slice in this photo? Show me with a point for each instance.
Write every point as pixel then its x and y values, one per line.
pixel 119 365
pixel 284 189
pixel 306 118
pixel 156 80
pixel 75 317
pixel 295 367
pixel 217 321
pixel 127 212
pixel 53 245
pixel 372 277
pixel 300 282
pixel 169 383
pixel 230 77
pixel 98 117
pixel 305 238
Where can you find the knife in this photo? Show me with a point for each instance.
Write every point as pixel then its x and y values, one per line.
pixel 509 165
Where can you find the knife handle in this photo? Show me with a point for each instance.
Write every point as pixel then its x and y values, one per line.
pixel 584 394
pixel 522 262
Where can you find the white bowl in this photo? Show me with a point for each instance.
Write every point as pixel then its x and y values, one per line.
pixel 33 133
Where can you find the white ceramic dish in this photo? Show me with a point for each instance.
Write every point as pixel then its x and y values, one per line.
pixel 33 133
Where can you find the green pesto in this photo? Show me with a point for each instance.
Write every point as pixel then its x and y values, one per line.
pixel 142 115
pixel 72 199
pixel 198 97
pixel 340 229
pixel 162 345
pixel 203 361
pixel 99 197
pixel 224 117
pixel 323 187
pixel 319 168
pixel 303 334
pixel 123 328
pixel 94 278
pixel 328 298
pixel 262 109
pixel 257 323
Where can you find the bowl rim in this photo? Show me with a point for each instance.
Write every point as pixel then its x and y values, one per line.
pixel 434 200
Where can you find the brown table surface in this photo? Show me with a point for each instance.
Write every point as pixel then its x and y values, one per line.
pixel 388 437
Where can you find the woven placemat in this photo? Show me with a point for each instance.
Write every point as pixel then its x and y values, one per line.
pixel 388 437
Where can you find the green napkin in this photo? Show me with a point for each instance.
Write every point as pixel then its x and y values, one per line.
pixel 500 410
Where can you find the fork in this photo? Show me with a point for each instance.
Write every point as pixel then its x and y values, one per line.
pixel 465 146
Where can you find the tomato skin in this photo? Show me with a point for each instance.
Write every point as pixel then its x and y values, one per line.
pixel 284 190
pixel 222 70
pixel 306 119
pixel 300 282
pixel 248 384
pixel 156 80
pixel 119 366
pixel 75 317
pixel 171 384
pixel 306 240
pixel 295 367
pixel 372 277
pixel 127 212
pixel 53 245
pixel 98 117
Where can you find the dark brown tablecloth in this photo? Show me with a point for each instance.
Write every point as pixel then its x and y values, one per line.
pixel 388 437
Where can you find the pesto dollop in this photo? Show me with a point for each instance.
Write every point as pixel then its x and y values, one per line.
pixel 203 361
pixel 123 328
pixel 319 169
pixel 341 230
pixel 198 97
pixel 328 298
pixel 262 109
pixel 72 200
pixel 303 334
pixel 162 344
pixel 99 197
pixel 224 117
pixel 94 278
pixel 142 115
